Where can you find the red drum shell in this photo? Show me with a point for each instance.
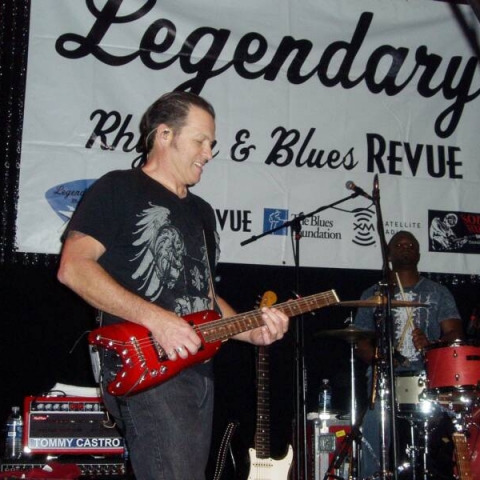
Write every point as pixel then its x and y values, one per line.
pixel 452 367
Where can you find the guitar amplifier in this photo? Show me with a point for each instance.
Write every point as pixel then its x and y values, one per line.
pixel 325 434
pixel 91 466
pixel 69 425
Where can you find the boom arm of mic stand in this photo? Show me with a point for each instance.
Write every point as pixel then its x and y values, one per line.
pixel 298 218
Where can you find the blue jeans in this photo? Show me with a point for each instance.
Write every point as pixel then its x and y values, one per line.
pixel 167 428
pixel 371 452
pixel 371 442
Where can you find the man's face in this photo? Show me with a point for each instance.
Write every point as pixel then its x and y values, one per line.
pixel 404 252
pixel 192 146
pixel 450 220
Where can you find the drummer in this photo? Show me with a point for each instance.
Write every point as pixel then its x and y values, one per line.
pixel 414 327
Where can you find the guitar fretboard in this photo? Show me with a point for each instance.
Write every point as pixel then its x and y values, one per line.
pixel 225 328
pixel 262 432
pixel 462 457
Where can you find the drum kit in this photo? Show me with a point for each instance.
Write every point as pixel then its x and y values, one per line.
pixel 449 387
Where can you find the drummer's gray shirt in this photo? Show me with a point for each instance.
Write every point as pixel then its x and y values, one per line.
pixel 440 306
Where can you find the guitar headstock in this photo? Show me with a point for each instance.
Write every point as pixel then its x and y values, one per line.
pixel 269 298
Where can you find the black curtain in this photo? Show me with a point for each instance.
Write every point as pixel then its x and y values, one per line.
pixel 43 324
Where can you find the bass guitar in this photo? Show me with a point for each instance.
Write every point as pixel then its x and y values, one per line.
pixel 144 363
pixel 262 466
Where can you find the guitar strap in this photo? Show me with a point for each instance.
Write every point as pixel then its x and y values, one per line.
pixel 211 247
pixel 208 235
pixel 210 279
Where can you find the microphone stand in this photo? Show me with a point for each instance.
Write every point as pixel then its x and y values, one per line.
pixel 300 440
pixel 386 379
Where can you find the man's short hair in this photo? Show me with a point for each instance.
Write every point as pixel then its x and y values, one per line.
pixel 171 109
pixel 403 233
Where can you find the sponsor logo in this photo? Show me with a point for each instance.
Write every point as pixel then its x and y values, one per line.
pixel 274 218
pixel 314 226
pixel 64 198
pixel 453 232
pixel 364 228
pixel 394 226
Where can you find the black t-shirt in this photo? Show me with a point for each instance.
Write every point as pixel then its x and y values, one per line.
pixel 156 243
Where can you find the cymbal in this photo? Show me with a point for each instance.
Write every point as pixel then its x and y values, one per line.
pixel 379 300
pixel 351 334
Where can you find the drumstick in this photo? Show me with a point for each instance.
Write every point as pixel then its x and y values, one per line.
pixel 409 322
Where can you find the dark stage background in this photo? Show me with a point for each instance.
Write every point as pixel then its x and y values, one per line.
pixel 43 341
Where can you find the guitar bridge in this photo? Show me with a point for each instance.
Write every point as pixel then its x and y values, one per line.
pixel 139 352
pixel 162 355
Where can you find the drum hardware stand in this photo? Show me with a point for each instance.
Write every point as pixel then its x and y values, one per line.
pixel 300 421
pixel 414 448
pixel 352 442
pixel 383 386
pixel 355 432
pixel 385 382
pixel 425 449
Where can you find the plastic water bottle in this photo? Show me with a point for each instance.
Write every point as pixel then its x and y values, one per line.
pixel 325 397
pixel 14 433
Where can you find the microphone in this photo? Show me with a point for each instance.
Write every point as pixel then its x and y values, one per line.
pixel 376 189
pixel 359 191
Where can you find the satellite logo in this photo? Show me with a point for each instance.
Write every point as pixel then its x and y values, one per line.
pixel 64 198
pixel 273 218
pixel 364 228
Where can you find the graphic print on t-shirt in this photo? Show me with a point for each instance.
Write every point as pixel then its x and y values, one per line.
pixel 400 317
pixel 165 264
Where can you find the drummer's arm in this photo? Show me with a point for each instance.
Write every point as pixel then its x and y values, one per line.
pixel 365 351
pixel 451 330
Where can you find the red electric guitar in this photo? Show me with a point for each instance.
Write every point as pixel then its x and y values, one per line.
pixel 145 363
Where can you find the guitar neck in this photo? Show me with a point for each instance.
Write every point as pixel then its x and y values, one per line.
pixel 262 431
pixel 225 328
pixel 462 457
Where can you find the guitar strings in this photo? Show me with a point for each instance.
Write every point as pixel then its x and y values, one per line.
pixel 295 307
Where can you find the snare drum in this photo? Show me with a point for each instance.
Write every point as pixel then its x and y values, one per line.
pixel 453 368
pixel 409 390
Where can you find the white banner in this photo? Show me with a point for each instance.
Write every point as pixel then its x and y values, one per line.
pixel 308 95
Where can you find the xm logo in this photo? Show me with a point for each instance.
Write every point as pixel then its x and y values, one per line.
pixel 273 218
pixel 364 228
